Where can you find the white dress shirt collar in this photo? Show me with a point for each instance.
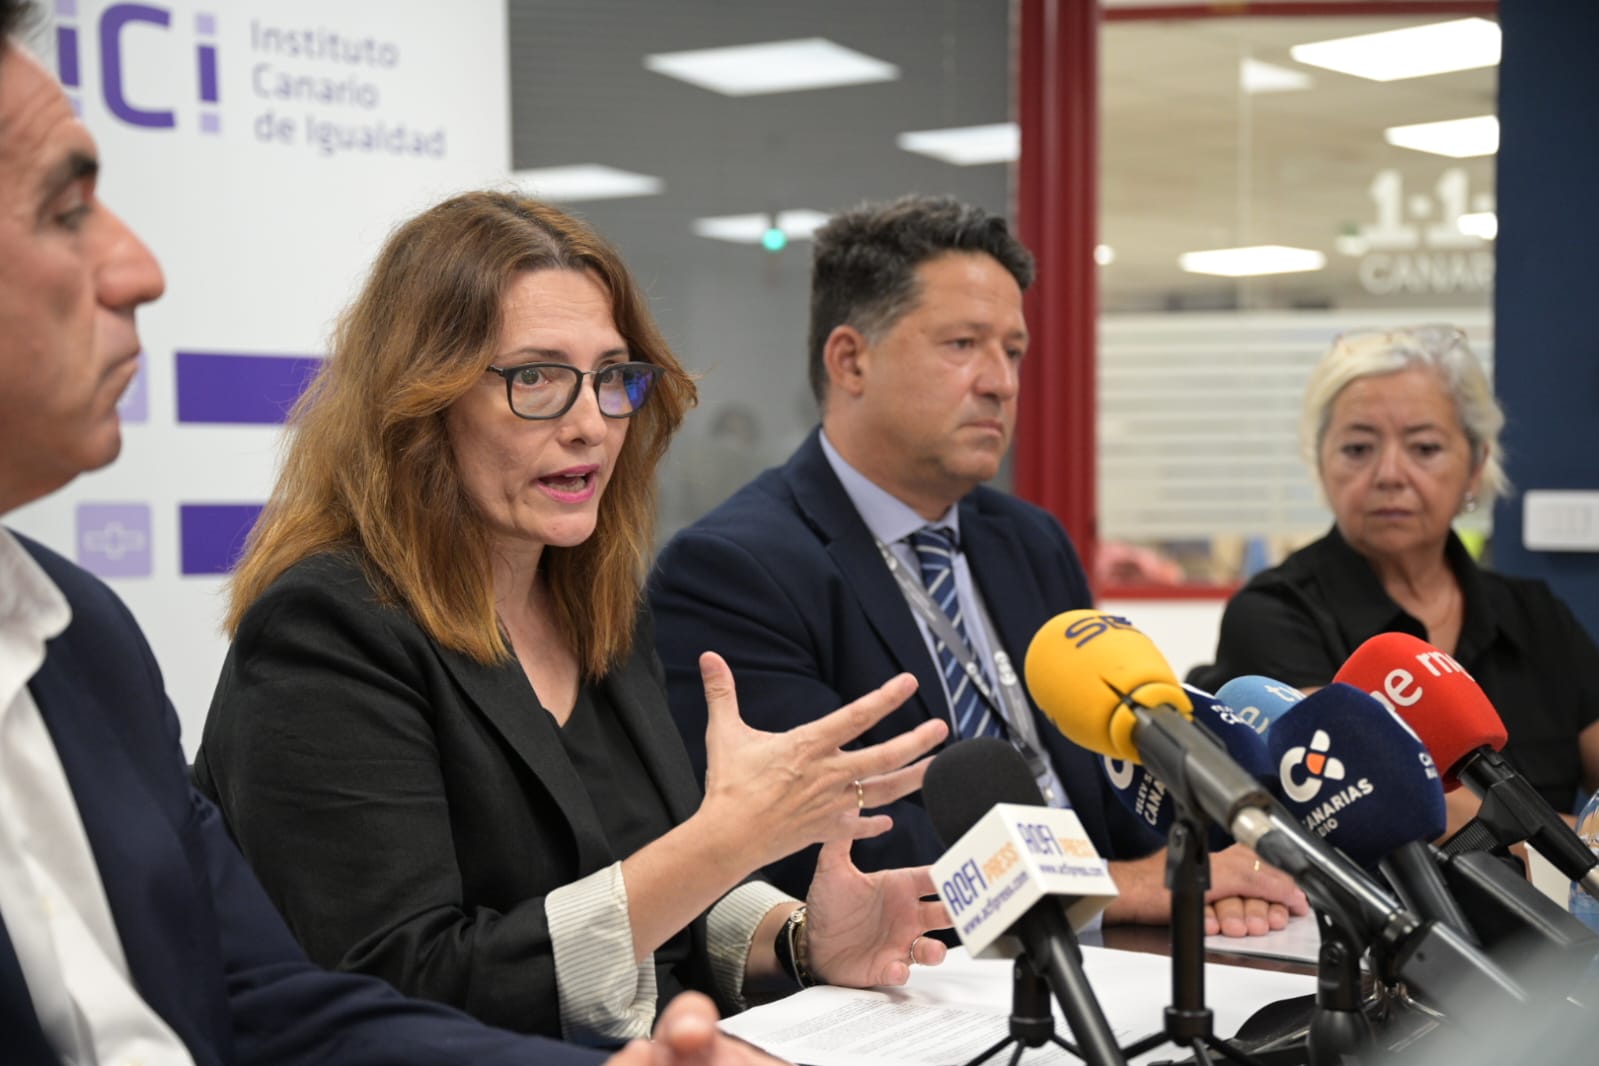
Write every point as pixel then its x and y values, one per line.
pixel 52 895
pixel 889 518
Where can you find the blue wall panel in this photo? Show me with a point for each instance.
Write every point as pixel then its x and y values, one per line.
pixel 1546 344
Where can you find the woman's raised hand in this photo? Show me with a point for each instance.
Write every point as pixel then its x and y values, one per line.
pixel 780 792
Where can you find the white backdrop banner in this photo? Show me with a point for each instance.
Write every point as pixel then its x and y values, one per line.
pixel 263 149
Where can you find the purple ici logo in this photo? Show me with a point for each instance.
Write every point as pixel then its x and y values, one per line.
pixel 114 539
pixel 113 22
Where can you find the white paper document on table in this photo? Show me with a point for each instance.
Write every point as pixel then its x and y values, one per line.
pixel 1299 941
pixel 949 1014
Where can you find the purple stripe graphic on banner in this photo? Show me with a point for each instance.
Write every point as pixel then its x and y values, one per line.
pixel 208 74
pixel 212 535
pixel 241 388
pixel 67 55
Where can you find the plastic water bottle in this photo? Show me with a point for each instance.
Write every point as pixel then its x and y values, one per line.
pixel 1583 906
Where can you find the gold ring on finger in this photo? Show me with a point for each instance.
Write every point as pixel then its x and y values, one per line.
pixel 860 795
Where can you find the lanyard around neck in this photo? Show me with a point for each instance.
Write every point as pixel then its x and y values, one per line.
pixel 1010 703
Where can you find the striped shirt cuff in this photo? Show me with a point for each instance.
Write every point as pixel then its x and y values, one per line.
pixel 603 995
pixel 730 930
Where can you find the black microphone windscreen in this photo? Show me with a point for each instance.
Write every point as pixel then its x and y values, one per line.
pixel 966 779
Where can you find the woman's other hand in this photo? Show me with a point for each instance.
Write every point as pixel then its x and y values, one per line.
pixel 861 929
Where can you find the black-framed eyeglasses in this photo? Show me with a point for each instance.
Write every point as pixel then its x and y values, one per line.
pixel 538 391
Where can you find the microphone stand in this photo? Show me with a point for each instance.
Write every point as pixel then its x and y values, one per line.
pixel 1188 1020
pixel 1032 1020
pixel 1339 1029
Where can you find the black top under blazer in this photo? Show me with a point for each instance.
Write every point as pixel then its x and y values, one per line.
pixel 408 808
pixel 1299 621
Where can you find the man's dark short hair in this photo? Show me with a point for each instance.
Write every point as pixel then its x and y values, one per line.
pixel 863 270
pixel 14 16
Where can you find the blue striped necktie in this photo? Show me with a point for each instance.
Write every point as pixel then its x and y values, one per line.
pixel 935 551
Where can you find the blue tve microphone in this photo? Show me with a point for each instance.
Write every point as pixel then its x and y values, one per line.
pixel 1258 701
pixel 1355 774
pixel 1148 797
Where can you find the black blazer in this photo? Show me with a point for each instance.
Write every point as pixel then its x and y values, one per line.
pixel 785 582
pixel 407 808
pixel 204 947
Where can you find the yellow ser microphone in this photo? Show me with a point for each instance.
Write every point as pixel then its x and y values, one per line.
pixel 1087 669
pixel 1109 689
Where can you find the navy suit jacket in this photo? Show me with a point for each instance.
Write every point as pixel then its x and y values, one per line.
pixel 786 583
pixel 204 947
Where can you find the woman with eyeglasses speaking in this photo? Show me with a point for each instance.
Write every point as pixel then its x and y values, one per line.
pixel 1402 429
pixel 441 735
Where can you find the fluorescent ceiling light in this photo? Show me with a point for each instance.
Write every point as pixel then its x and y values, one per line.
pixel 1104 254
pixel 1484 224
pixel 773 67
pixel 1416 52
pixel 1257 77
pixel 1249 262
pixel 965 146
pixel 797 225
pixel 586 181
pixel 1457 138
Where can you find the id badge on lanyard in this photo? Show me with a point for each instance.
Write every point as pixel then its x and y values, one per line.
pixel 1009 703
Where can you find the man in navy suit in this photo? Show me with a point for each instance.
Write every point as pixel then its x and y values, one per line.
pixel 824 576
pixel 131 930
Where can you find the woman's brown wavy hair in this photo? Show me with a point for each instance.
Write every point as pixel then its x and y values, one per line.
pixel 369 466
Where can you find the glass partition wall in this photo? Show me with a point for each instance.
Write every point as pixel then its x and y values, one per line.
pixel 1267 183
pixel 707 140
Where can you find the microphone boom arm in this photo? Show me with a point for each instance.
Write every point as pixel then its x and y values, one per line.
pixel 1432 958
pixel 1513 811
pixel 1428 956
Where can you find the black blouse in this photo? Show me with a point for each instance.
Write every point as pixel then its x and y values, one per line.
pixel 631 808
pixel 1299 621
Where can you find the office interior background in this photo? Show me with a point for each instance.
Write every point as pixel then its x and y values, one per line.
pixel 1442 175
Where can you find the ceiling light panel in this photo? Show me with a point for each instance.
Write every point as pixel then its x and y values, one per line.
pixel 1257 77
pixel 1252 261
pixel 1484 224
pixel 966 146
pixel 1457 138
pixel 797 224
pixel 772 67
pixel 1415 52
pixel 585 181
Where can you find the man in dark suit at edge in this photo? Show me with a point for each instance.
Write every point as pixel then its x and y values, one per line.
pixel 133 931
pixel 916 337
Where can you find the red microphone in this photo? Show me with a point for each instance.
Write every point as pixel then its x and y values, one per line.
pixel 1438 700
pixel 1449 712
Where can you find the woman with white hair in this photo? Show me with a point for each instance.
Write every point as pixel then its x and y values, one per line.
pixel 1403 432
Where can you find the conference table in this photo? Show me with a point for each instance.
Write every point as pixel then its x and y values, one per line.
pixel 948 1014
